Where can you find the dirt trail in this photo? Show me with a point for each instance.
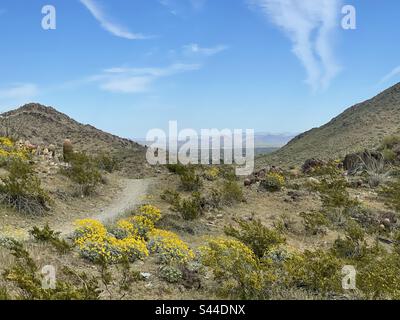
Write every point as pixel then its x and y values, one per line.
pixel 133 194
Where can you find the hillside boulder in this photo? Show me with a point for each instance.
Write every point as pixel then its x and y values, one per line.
pixel 311 164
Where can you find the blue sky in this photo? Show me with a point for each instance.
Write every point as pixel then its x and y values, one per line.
pixel 130 66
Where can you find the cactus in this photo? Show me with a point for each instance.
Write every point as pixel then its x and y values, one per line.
pixel 68 150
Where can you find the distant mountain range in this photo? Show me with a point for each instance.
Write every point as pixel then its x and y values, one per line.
pixel 264 142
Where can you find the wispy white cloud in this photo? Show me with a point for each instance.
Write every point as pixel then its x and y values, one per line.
pixel 115 29
pixel 194 48
pixel 136 80
pixel 310 25
pixel 17 94
pixel 395 72
pixel 19 91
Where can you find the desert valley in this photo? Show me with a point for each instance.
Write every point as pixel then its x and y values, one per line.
pixel 318 218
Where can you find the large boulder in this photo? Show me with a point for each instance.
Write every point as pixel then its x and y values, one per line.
pixel 311 164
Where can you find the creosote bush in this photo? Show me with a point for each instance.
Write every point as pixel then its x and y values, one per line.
pixel 176 168
pixel 334 193
pixel 190 208
pixel 84 172
pixel 317 271
pixel 231 192
pixel 273 182
pixel 22 191
pixel 236 269
pixel 314 222
pixel 170 196
pixel 256 236
pixel 25 280
pixel 390 141
pixel 354 245
pixel 47 235
pixel 391 194
pixel 107 162
pixel 190 181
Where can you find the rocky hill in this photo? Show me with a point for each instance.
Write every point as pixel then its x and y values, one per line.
pixel 361 126
pixel 43 125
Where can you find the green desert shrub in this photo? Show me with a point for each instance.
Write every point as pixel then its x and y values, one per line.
pixel 84 172
pixel 391 194
pixel 170 274
pixel 273 182
pixel 25 279
pixel 213 199
pixel 190 208
pixel 285 224
pixel 190 181
pixel 231 192
pixel 314 222
pixel 353 246
pixel 228 172
pixel 176 168
pixel 330 168
pixel 47 235
pixel 317 271
pixel 236 269
pixel 334 193
pixel 389 155
pixel 378 277
pixel 107 162
pixel 22 191
pixel 170 196
pixel 256 236
pixel 390 141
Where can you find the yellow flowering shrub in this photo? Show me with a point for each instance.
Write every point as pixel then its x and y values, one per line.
pixel 96 244
pixel 124 228
pixel 150 212
pixel 378 276
pixel 89 230
pixel 212 173
pixel 142 225
pixel 236 269
pixel 318 271
pixel 7 142
pixel 169 247
pixel 8 150
pixel 273 182
pixel 137 226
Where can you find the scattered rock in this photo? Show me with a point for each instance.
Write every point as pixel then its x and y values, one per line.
pixel 247 182
pixel 145 275
pixel 294 195
pixel 311 164
pixel 313 181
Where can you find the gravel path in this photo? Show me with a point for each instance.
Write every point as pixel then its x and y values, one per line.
pixel 133 194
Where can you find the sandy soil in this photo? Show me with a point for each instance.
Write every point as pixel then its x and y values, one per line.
pixel 110 202
pixel 134 192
